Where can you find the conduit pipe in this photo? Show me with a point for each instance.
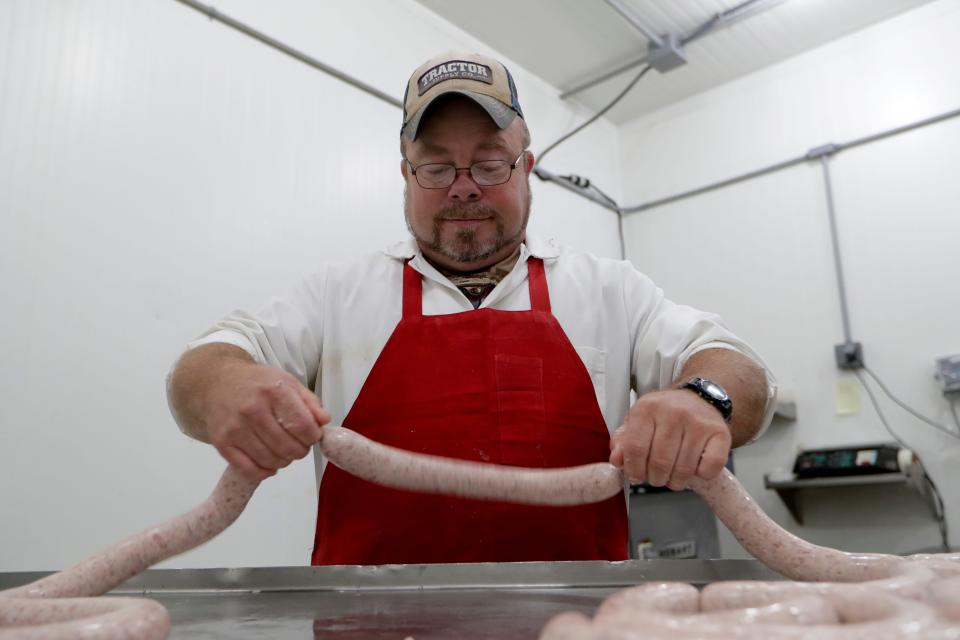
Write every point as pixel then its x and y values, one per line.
pixel 213 14
pixel 813 154
pixel 835 242
pixel 821 154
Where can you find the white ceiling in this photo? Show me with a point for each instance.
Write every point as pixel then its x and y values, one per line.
pixel 567 42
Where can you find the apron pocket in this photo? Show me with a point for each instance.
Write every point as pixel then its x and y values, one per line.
pixel 520 409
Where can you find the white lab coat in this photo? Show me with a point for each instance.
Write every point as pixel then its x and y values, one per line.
pixel 329 331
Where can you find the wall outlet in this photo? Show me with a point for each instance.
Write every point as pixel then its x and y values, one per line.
pixel 849 355
pixel 948 373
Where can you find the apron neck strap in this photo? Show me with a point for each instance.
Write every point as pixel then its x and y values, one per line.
pixel 539 294
pixel 412 291
pixel 413 288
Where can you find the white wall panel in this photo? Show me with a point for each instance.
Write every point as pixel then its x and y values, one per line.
pixel 759 252
pixel 158 169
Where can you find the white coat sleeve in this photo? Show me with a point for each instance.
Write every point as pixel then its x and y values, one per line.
pixel 286 333
pixel 666 334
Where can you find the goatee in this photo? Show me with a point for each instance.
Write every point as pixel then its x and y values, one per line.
pixel 466 246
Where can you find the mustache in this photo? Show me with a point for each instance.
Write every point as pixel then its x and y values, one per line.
pixel 466 212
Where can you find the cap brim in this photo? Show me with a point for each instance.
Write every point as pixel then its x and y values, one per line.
pixel 500 113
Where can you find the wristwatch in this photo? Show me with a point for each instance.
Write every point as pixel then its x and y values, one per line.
pixel 712 393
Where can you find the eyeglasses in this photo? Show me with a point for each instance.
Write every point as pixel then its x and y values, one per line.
pixel 487 173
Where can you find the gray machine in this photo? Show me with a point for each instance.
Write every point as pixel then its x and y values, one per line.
pixel 671 524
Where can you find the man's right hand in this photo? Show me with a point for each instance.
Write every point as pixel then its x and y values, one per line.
pixel 258 417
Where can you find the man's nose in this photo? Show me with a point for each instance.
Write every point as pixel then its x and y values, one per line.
pixel 463 187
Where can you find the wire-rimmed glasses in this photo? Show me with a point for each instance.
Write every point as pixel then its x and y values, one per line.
pixel 486 173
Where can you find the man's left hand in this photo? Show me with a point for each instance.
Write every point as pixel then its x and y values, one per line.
pixel 670 436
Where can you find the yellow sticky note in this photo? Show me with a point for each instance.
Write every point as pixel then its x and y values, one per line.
pixel 848 397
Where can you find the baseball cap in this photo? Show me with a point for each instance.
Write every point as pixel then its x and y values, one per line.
pixel 484 80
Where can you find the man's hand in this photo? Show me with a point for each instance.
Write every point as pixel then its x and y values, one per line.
pixel 259 418
pixel 670 436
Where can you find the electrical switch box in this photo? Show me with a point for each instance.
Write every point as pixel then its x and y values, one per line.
pixel 948 373
pixel 667 55
pixel 848 355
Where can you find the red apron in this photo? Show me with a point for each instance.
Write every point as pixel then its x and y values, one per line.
pixel 504 387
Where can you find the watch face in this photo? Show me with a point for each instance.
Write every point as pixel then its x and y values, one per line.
pixel 715 391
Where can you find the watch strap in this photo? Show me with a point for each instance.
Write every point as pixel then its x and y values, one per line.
pixel 720 401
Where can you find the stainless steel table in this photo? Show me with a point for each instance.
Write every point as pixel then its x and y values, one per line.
pixel 426 602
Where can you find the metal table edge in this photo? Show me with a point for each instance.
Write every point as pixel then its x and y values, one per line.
pixel 513 575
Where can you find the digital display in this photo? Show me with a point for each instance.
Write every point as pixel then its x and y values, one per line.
pixel 847 461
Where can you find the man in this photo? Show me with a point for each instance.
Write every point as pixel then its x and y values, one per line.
pixel 472 340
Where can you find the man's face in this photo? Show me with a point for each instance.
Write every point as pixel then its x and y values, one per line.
pixel 466 227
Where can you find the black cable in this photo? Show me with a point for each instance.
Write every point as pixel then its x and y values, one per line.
pixel 941 514
pixel 939 510
pixel 584 183
pixel 935 425
pixel 613 203
pixel 603 195
pixel 577 181
pixel 597 115
pixel 623 243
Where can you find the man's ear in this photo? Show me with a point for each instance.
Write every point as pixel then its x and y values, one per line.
pixel 403 167
pixel 530 161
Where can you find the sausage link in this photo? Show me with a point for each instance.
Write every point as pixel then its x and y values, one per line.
pixel 871 595
pixel 865 596
pixel 63 596
pixel 400 469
